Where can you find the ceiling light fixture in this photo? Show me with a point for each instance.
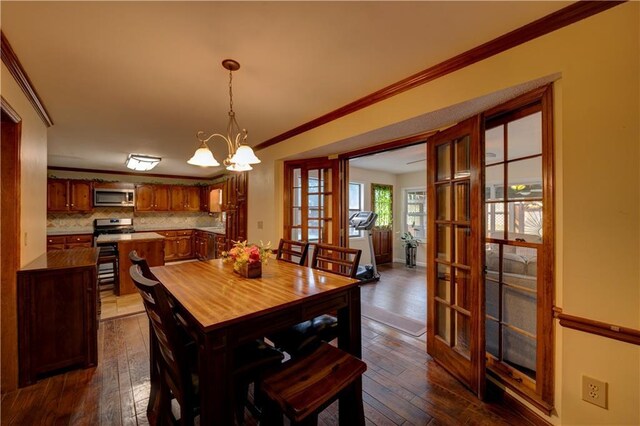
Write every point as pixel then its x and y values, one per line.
pixel 141 162
pixel 240 156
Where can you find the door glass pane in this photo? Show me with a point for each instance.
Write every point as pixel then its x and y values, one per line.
pixel 443 321
pixel 444 242
pixel 463 288
pixel 492 295
pixel 297 178
pixel 494 145
pixel 492 331
pixel 463 245
pixel 494 183
pixel 525 221
pixel 519 309
pixel 297 216
pixel 492 260
pixel 525 136
pixel 443 290
pixel 314 181
pixel 443 153
pixel 525 179
pixel 519 351
pixel 462 159
pixel 443 201
pixel 462 201
pixel 296 234
pixel 463 335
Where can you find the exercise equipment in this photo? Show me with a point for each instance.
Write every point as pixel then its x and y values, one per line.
pixel 365 221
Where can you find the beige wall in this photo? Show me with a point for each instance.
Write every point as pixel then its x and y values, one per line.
pixel 33 157
pixel 598 202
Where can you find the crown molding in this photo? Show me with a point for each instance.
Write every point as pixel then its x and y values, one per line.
pixel 545 25
pixel 12 62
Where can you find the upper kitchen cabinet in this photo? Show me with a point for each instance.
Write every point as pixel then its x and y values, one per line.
pixel 185 198
pixel 211 198
pixel 65 195
pixel 151 198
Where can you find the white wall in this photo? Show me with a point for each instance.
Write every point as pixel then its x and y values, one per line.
pixel 416 180
pixel 597 162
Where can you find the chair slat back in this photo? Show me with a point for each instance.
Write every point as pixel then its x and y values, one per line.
pixel 142 263
pixel 338 260
pixel 293 251
pixel 165 327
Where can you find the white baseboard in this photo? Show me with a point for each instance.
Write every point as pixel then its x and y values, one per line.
pixel 402 260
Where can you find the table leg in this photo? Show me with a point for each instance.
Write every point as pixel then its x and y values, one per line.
pixel 351 410
pixel 214 364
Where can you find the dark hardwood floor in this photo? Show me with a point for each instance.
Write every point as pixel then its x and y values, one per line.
pixel 401 290
pixel 402 386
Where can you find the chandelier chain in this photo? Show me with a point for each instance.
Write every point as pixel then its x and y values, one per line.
pixel 230 91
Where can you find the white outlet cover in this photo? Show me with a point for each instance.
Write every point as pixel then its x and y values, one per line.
pixel 594 391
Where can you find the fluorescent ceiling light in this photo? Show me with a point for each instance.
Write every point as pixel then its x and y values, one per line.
pixel 141 162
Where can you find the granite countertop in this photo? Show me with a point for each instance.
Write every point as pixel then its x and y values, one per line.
pixel 212 229
pixel 138 236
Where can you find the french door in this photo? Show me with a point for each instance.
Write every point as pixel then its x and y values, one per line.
pixel 455 294
pixel 312 201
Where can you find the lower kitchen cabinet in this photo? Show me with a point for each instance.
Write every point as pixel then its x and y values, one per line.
pixel 205 245
pixel 63 242
pixel 57 313
pixel 178 245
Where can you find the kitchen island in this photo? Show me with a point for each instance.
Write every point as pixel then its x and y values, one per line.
pixel 149 245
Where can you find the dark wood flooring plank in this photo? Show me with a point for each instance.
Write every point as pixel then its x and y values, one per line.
pixel 396 403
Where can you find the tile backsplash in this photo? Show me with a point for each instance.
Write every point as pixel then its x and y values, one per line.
pixel 154 220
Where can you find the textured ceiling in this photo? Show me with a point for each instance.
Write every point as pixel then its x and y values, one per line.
pixel 143 77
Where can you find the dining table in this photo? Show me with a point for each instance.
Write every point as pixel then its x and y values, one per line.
pixel 223 310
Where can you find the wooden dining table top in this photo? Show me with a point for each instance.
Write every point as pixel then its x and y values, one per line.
pixel 215 296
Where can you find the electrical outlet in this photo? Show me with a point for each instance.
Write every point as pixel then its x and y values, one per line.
pixel 594 391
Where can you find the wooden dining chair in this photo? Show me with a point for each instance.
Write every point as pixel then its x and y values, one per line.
pixel 304 337
pixel 303 387
pixel 293 251
pixel 142 263
pixel 177 359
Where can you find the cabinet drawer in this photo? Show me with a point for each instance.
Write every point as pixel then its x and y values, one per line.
pixel 56 240
pixel 184 233
pixel 74 239
pixel 166 233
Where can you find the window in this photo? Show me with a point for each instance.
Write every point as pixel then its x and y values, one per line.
pixel 382 204
pixel 416 213
pixel 355 205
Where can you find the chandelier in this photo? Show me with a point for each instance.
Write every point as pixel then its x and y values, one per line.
pixel 240 156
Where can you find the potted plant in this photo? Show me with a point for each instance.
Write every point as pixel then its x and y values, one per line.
pixel 247 258
pixel 410 244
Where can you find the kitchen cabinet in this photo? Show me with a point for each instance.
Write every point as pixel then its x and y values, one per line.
pixel 235 197
pixel 221 245
pixel 66 195
pixel 152 198
pixel 57 313
pixel 63 242
pixel 178 245
pixel 212 198
pixel 185 198
pixel 205 245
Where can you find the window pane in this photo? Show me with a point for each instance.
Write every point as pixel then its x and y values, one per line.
pixel 494 183
pixel 463 335
pixel 443 320
pixel 525 136
pixel 462 201
pixel 383 205
pixel 519 351
pixel 443 202
pixel 444 242
pixel 525 221
pixel 494 145
pixel 443 290
pixel 525 179
pixel 463 289
pixel 462 160
pixel 354 196
pixel 443 162
pixel 463 245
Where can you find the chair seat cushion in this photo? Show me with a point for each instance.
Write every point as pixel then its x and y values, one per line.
pixel 306 336
pixel 254 357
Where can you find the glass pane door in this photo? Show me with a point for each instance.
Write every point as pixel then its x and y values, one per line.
pixel 455 330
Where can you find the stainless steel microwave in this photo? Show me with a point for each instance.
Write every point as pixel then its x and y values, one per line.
pixel 113 197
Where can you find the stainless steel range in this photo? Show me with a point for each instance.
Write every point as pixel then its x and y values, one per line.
pixel 108 258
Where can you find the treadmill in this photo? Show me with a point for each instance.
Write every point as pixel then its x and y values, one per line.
pixel 365 221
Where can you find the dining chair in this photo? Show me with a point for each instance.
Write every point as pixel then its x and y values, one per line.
pixel 142 263
pixel 304 337
pixel 177 362
pixel 290 250
pixel 301 388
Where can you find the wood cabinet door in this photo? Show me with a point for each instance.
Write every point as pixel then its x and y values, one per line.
pixel 177 198
pixel 192 199
pixel 161 198
pixel 170 248
pixel 81 192
pixel 57 195
pixel 145 198
pixel 184 247
pixel 204 198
